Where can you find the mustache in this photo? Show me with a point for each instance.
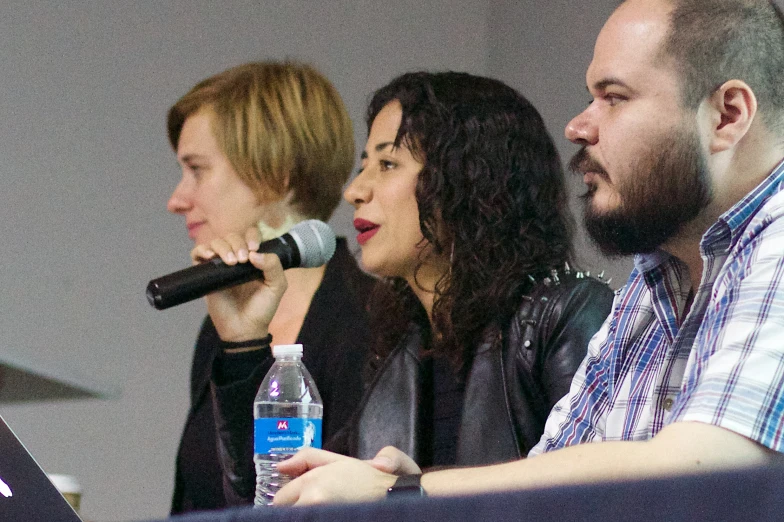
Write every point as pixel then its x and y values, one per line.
pixel 582 162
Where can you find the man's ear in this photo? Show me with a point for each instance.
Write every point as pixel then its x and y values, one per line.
pixel 732 109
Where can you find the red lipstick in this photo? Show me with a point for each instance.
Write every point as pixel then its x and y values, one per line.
pixel 366 229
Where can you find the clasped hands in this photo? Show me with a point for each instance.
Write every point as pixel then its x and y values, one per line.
pixel 325 477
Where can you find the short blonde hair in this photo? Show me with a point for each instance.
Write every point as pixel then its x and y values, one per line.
pixel 283 127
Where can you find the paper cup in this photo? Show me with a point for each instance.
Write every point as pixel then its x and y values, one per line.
pixel 68 488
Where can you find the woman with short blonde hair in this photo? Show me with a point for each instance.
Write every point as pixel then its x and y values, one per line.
pixel 263 145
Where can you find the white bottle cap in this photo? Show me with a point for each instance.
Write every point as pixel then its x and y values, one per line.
pixel 283 350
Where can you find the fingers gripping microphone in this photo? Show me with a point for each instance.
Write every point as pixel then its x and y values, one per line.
pixel 308 244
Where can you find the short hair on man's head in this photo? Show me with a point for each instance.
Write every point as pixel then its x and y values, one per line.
pixel 283 127
pixel 713 41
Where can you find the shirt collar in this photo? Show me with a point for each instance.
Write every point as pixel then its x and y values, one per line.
pixel 738 216
pixel 649 261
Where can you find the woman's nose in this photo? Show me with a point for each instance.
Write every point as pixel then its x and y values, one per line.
pixel 358 191
pixel 180 200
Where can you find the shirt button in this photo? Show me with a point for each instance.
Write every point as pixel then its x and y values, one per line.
pixel 668 404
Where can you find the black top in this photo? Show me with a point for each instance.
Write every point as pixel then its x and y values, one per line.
pixel 448 390
pixel 335 337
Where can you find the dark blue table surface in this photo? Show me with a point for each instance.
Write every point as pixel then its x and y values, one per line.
pixel 744 495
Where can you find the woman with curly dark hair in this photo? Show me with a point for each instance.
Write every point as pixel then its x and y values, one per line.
pixel 490 194
pixel 479 320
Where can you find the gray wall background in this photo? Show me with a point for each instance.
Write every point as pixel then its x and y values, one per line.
pixel 85 172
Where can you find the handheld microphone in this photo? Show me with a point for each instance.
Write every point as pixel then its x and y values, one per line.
pixel 308 244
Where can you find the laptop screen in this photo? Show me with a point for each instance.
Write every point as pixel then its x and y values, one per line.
pixel 25 491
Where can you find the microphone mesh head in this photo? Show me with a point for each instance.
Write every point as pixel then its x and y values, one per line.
pixel 316 242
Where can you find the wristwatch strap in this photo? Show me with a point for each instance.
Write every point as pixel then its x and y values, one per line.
pixel 406 486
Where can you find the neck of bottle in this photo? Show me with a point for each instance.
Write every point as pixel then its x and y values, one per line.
pixel 288 358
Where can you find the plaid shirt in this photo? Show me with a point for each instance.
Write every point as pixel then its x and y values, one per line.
pixel 722 363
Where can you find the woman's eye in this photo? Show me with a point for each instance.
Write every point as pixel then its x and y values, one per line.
pixel 386 165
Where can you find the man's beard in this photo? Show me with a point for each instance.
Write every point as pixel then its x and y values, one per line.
pixel 663 191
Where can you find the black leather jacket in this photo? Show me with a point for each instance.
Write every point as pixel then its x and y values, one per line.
pixel 510 388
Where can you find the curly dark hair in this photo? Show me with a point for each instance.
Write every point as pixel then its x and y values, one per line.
pixel 491 196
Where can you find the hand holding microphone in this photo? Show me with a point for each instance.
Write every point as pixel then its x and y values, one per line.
pixel 308 244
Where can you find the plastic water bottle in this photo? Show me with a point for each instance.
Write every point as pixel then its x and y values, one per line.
pixel 287 417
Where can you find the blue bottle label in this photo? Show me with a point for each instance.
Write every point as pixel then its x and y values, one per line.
pixel 285 435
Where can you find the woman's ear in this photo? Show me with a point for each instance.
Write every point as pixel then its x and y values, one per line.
pixel 731 108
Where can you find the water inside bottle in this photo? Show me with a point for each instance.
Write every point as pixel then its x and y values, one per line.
pixel 268 479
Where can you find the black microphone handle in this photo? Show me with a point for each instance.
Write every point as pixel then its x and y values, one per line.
pixel 199 280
